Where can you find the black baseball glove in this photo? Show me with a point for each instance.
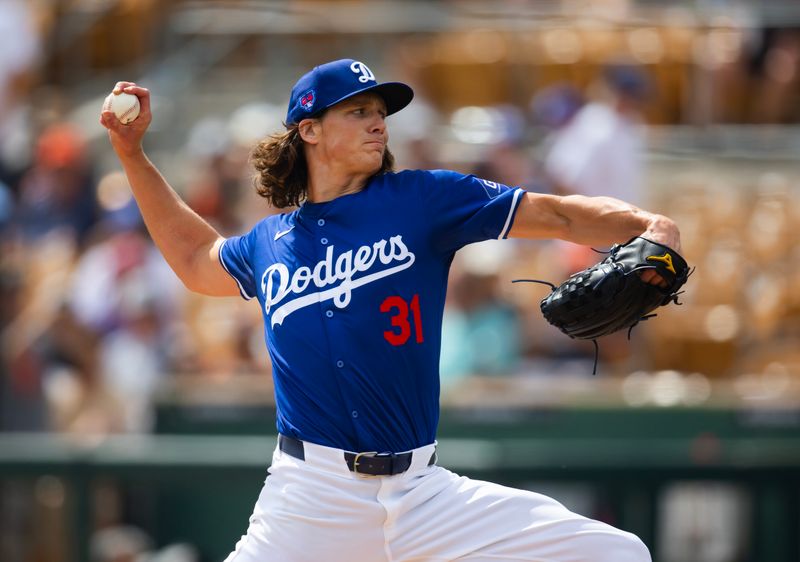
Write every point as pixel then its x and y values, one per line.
pixel 610 295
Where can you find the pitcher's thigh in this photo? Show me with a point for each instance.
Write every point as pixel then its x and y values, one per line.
pixel 481 521
pixel 300 521
pixel 566 541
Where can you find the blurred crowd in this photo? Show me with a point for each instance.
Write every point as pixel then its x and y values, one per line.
pixel 94 323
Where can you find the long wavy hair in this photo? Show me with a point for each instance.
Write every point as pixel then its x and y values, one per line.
pixel 282 170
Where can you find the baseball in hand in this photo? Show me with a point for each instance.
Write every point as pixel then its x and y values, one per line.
pixel 125 106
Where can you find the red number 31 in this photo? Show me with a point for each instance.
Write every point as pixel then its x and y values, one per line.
pixel 400 320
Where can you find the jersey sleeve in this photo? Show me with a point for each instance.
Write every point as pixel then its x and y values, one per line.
pixel 466 209
pixel 235 255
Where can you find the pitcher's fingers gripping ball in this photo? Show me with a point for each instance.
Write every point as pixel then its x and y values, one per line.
pixel 610 295
pixel 125 106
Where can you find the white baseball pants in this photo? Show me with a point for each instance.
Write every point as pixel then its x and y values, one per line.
pixel 318 510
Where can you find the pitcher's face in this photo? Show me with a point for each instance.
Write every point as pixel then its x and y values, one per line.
pixel 353 135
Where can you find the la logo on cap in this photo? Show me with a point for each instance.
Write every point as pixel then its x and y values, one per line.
pixel 307 101
pixel 360 68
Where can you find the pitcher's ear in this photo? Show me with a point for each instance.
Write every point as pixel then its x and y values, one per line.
pixel 309 130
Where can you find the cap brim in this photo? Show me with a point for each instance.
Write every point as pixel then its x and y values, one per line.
pixel 396 95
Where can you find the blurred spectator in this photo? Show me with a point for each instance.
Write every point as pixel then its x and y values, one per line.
pixel 216 190
pixel 508 163
pixel 79 402
pixel 215 186
pixel 776 67
pixel 133 360
pixel 595 148
pixel 19 51
pixel 57 193
pixel 598 150
pixel 22 406
pixel 420 154
pixel 134 315
pixel 481 332
pixel 121 264
pixel 6 207
pixel 554 106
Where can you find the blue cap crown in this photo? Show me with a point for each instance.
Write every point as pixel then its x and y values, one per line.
pixel 330 83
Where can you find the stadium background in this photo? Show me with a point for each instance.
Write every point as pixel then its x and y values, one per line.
pixel 137 419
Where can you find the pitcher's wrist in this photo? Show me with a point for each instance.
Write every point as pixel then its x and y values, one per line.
pixel 134 156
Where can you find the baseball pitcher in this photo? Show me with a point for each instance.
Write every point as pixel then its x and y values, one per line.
pixel 351 285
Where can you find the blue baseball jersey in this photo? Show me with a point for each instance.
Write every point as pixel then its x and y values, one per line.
pixel 352 293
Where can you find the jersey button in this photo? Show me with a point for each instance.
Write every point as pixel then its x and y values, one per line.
pixel 354 413
pixel 329 313
pixel 323 241
pixel 340 363
pixel 321 222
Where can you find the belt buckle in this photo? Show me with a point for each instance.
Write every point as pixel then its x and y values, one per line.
pixel 358 456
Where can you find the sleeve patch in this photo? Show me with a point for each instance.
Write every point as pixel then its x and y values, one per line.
pixel 491 188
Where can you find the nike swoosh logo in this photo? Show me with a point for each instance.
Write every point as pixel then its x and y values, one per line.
pixel 283 233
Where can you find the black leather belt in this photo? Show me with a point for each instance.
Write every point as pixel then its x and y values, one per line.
pixel 374 464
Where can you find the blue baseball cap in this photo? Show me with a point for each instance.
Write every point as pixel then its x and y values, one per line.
pixel 332 82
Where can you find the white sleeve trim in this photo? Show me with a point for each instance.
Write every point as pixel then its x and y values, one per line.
pixel 504 232
pixel 242 292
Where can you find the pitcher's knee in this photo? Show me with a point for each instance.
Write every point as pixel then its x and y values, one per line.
pixel 622 547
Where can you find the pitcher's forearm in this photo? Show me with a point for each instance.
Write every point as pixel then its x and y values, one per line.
pixel 180 234
pixel 590 220
pixel 605 220
pixel 188 243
